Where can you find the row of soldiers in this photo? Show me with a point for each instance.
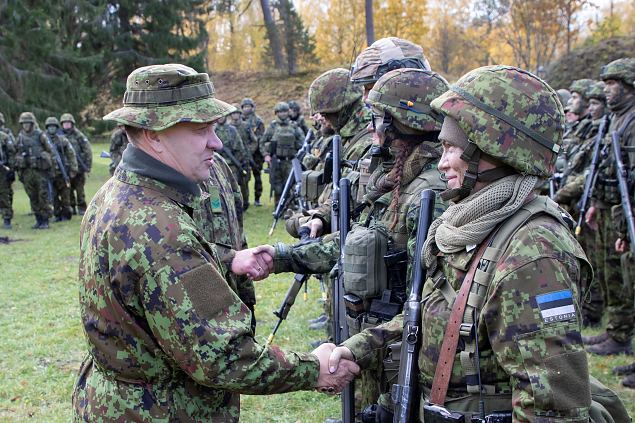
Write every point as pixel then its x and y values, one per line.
pixel 52 165
pixel 595 110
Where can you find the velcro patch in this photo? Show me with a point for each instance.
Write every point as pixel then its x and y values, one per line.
pixel 556 306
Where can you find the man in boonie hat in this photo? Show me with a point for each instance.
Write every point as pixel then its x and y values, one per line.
pixel 168 337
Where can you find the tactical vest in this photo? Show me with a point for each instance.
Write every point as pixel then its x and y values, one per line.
pixel 284 135
pixel 31 154
pixel 60 147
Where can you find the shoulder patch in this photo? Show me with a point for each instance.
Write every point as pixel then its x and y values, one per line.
pixel 556 306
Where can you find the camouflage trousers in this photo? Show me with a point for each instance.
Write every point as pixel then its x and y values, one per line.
pixel 592 298
pixel 283 168
pixel 614 281
pixel 37 188
pixel 244 188
pixel 61 199
pixel 77 195
pixel 257 171
pixel 6 198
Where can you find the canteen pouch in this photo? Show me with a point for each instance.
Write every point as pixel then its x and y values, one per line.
pixel 312 184
pixel 364 266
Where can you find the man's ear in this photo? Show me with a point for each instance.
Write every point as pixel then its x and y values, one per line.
pixel 153 141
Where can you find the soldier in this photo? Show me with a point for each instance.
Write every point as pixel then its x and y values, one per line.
pixel 64 169
pixel 295 113
pixel 234 153
pixel 168 336
pixel 391 200
pixel 279 144
pixel 619 77
pixel 257 127
pixel 7 175
pixel 251 143
pixel 523 357
pixel 5 129
pixel 34 166
pixel 118 143
pixel 84 155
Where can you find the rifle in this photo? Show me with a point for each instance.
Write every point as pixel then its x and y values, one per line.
pixel 555 182
pixel 81 163
pixel 622 179
pixel 294 181
pixel 226 152
pixel 289 299
pixel 589 181
pixel 404 392
pixel 58 160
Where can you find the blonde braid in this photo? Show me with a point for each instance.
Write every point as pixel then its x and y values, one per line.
pixel 396 174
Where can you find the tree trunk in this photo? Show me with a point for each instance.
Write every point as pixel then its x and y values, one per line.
pixel 370 25
pixel 272 34
pixel 290 36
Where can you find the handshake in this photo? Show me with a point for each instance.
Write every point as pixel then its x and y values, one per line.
pixel 255 262
pixel 337 368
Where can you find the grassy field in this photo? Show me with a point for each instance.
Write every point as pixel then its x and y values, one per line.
pixel 42 342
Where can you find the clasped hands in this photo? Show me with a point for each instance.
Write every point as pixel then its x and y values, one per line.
pixel 337 368
pixel 255 262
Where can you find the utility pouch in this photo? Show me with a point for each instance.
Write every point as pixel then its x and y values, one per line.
pixel 44 161
pixel 20 161
pixel 32 162
pixel 384 309
pixel 312 184
pixel 364 176
pixel 437 414
pixel 364 265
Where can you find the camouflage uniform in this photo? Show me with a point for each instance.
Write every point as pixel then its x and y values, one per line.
pixel 281 141
pixel 249 141
pixel 606 196
pixel 168 337
pixel 531 365
pixel 7 173
pixel 298 118
pixel 233 143
pixel 84 154
pixel 257 127
pixel 61 187
pixel 34 166
pixel 118 143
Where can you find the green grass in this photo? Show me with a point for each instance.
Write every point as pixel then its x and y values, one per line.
pixel 42 341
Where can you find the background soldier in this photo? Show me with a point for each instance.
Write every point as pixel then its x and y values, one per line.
pixel 234 152
pixel 64 169
pixel 278 145
pixel 619 79
pixel 257 127
pixel 84 155
pixel 295 113
pixel 34 166
pixel 5 129
pixel 118 143
pixel 7 176
pixel 251 144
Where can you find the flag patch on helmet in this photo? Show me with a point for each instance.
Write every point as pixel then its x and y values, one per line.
pixel 556 306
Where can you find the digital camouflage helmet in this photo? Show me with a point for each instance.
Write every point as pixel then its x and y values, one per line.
pixel 294 105
pixel 596 91
pixel 581 86
pixel 281 107
pixel 51 121
pixel 385 55
pixel 26 117
pixel 247 102
pixel 333 91
pixel 509 114
pixel 160 96
pixel 67 117
pixel 620 70
pixel 404 95
pixel 564 95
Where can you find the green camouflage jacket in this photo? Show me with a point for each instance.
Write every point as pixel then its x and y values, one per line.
pixel 7 152
pixel 531 353
pixel 82 148
pixel 255 124
pixel 67 155
pixel 118 143
pixel 249 138
pixel 299 120
pixel 168 338
pixel 232 143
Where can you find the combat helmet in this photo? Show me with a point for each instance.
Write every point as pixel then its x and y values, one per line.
pixel 281 107
pixel 621 70
pixel 564 95
pixel 596 91
pixel 404 95
pixel 160 96
pixel 509 114
pixel 26 117
pixel 385 55
pixel 294 105
pixel 333 91
pixel 247 102
pixel 67 117
pixel 581 86
pixel 51 120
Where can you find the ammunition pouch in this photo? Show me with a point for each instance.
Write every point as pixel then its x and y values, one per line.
pixel 364 266
pixel 44 162
pixel 312 184
pixel 21 162
pixel 607 190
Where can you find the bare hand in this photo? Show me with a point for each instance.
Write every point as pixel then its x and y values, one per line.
pixel 255 262
pixel 621 246
pixel 316 226
pixel 337 355
pixel 333 382
pixel 589 218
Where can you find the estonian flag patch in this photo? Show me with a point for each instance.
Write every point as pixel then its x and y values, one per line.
pixel 556 306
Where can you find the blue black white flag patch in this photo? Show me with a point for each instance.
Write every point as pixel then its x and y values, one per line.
pixel 556 306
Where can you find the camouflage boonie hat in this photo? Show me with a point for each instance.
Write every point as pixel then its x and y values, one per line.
pixel 67 117
pixel 406 95
pixel 26 117
pixel 509 114
pixel 160 96
pixel 385 55
pixel 332 91
pixel 621 70
pixel 596 91
pixel 247 101
pixel 51 120
pixel 581 86
pixel 281 107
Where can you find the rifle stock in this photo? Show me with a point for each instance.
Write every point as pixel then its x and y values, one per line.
pixel 404 393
